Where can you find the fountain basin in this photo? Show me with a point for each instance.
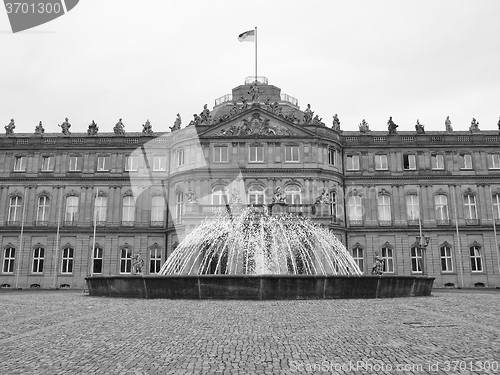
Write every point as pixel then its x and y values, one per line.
pixel 260 287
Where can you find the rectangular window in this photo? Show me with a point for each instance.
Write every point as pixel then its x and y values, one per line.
pixel 476 263
pixel 388 258
pixel 291 153
pixel 159 163
pixel 154 260
pixel 131 163
pixel 384 208
pixel 416 259
pixel 357 254
pixel 97 260
pixel 381 162
pixel 100 209
pixel 102 163
pixel 125 260
pixel 409 162
pixel 47 164
pixel 446 260
pixel 128 210
pixel 15 210
pixel 75 163
pixel 8 260
pixel 157 210
pixel 332 156
pixel 355 208
pixel 220 153
pixel 179 205
pixel 333 205
pixel 352 162
pixel 42 212
pixel 180 157
pixel 256 153
pixel 437 161
pixel 496 206
pixel 494 161
pixel 20 164
pixel 67 260
pixel 412 208
pixel 71 213
pixel 470 207
pixel 38 258
pixel 441 203
pixel 465 161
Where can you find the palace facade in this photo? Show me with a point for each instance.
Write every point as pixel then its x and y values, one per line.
pixel 77 204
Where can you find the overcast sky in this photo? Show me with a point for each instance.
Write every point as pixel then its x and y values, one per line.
pixel 138 60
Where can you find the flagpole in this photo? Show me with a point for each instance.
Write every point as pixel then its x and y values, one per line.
pixel 255 55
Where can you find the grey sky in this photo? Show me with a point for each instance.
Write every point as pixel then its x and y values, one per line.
pixel 148 59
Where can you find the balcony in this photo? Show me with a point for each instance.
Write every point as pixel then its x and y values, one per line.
pixel 413 223
pixel 443 222
pixel 472 222
pixel 355 223
pixel 385 223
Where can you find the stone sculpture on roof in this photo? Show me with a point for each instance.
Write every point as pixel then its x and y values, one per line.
pixel 119 128
pixel 93 129
pixel 364 127
pixel 205 116
pixel 447 123
pixel 39 129
pixel 336 123
pixel 391 126
pixel 177 123
pixel 308 115
pixel 65 127
pixel 9 128
pixel 419 128
pixel 474 126
pixel 147 128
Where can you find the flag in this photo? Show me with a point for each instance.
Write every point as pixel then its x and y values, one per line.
pixel 247 36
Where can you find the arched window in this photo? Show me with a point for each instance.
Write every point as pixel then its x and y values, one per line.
pixel 71 213
pixel 416 259
pixel 476 260
pixel 446 257
pixel 42 212
pixel 154 259
pixel 128 210
pixel 256 195
pixel 384 208
pixel 15 210
pixel 179 205
pixel 9 256
pixel 67 260
pixel 388 257
pixel 293 194
pixel 219 195
pixel 126 260
pixel 38 259
pixel 470 208
pixel 441 204
pixel 157 210
pixel 97 260
pixel 358 255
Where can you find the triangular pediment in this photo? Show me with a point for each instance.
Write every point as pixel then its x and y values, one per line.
pixel 256 123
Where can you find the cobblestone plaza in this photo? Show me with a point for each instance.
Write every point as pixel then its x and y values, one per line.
pixel 68 332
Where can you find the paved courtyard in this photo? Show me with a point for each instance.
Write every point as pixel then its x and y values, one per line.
pixel 68 332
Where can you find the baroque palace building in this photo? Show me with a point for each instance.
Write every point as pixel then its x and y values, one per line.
pixel 76 204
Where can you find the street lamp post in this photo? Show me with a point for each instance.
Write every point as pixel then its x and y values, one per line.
pixel 422 243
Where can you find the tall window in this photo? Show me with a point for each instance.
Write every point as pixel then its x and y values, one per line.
pixel 38 258
pixel 75 163
pixel 128 210
pixel 333 203
pixel 42 212
pixel 496 206
pixel 494 161
pixel 256 153
pixel 97 260
pixel 20 164
pixel 412 207
pixel 409 162
pixel 157 210
pixel 381 162
pixel 220 154
pixel 179 205
pixel 291 153
pixel 446 259
pixel 9 256
pixel 416 259
pixel 384 208
pixel 256 195
pixel 180 157
pixel 102 163
pixel 293 195
pixel 437 161
pixel 67 260
pixel 355 206
pixel 388 257
pixel 470 207
pixel 131 163
pixel 332 156
pixel 47 163
pixel 154 260
pixel 159 163
pixel 357 254
pixel 126 260
pixel 441 203
pixel 100 208
pixel 465 161
pixel 352 163
pixel 15 210
pixel 476 262
pixel 71 213
pixel 219 196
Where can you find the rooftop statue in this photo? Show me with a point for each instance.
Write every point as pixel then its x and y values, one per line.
pixel 419 128
pixel 196 120
pixel 119 128
pixel 447 123
pixel 39 129
pixel 336 123
pixel 205 115
pixel 364 127
pixel 391 126
pixel 308 115
pixel 317 121
pixel 9 129
pixel 276 108
pixel 93 129
pixel 177 123
pixel 65 127
pixel 474 126
pixel 254 92
pixel 147 128
pixel 244 103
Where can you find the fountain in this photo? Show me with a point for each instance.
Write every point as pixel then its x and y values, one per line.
pixel 255 255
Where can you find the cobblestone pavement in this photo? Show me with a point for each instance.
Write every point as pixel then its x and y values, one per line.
pixel 67 332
